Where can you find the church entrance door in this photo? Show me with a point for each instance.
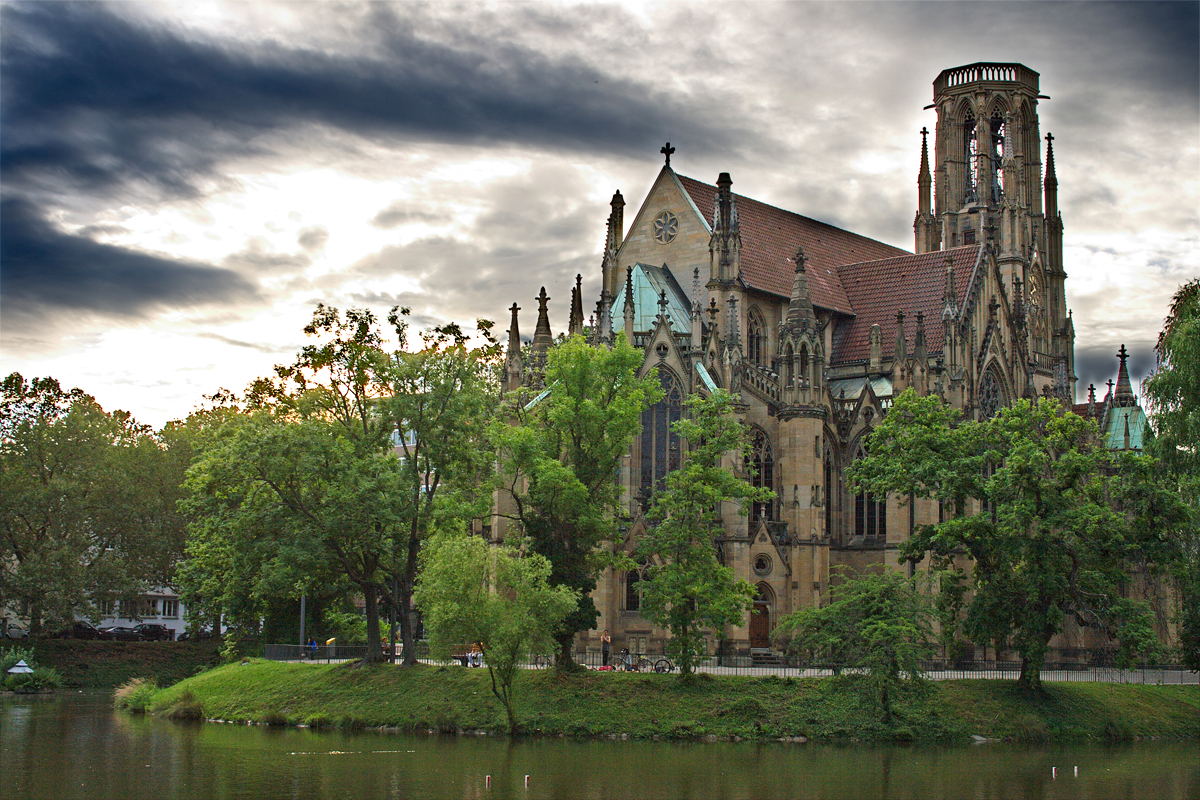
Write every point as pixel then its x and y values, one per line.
pixel 760 625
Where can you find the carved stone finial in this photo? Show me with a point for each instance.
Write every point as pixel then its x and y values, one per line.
pixel 800 259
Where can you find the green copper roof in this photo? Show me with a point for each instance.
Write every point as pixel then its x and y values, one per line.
pixel 1114 427
pixel 648 284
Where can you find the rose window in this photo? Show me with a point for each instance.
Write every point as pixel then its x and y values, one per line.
pixel 666 225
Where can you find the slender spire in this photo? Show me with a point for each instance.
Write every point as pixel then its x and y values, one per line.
pixel 542 337
pixel 949 293
pixel 1124 395
pixel 514 364
pixel 924 178
pixel 800 314
pixel 726 241
pixel 901 353
pixel 1051 182
pixel 575 326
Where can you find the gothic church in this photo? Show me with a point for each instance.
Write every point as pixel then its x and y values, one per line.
pixel 815 329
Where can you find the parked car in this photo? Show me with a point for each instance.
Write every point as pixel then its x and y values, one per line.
pixel 80 629
pixel 120 633
pixel 155 632
pixel 194 636
pixel 14 631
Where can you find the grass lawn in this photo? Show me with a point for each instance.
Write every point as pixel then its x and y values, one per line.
pixel 453 699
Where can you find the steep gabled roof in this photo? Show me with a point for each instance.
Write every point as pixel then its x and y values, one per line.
pixel 910 283
pixel 769 239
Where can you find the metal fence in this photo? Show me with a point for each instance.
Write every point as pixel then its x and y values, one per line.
pixel 1090 666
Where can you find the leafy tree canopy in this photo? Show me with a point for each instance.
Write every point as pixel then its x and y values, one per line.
pixel 879 623
pixel 333 469
pixel 498 597
pixel 560 459
pixel 1173 395
pixel 1052 522
pixel 87 502
pixel 687 588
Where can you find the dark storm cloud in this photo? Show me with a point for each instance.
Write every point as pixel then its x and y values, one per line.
pixel 92 96
pixel 1098 364
pixel 46 269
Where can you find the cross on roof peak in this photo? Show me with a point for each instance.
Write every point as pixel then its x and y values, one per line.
pixel 667 150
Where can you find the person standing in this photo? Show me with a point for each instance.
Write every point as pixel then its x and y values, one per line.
pixel 605 646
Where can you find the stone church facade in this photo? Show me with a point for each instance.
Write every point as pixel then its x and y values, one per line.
pixel 815 329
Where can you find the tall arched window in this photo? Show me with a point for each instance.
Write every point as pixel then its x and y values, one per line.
pixel 803 376
pixel 633 598
pixel 762 461
pixel 756 340
pixel 870 512
pixel 829 493
pixel 997 154
pixel 970 158
pixel 660 446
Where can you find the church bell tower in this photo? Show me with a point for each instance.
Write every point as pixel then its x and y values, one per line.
pixel 987 187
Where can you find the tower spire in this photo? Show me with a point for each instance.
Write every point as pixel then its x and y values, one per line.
pixel 542 337
pixel 514 364
pixel 923 225
pixel 1124 394
pixel 575 326
pixel 800 314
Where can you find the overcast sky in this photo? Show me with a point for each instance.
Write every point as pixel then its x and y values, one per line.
pixel 183 182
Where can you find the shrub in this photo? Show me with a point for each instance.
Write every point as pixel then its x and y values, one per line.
pixel 37 681
pixel 186 708
pixel 10 657
pixel 135 695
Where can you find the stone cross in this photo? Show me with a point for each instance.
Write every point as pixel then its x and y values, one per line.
pixel 667 150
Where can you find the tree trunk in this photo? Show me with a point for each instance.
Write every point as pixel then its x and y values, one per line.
pixel 564 659
pixel 371 599
pixel 408 617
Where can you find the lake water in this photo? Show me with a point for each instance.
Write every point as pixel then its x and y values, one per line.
pixel 75 745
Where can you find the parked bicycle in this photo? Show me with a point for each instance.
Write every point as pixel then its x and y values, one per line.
pixel 640 662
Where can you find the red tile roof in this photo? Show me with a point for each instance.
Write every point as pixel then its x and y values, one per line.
pixel 770 236
pixel 910 283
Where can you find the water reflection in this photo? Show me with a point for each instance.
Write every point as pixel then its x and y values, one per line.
pixel 75 746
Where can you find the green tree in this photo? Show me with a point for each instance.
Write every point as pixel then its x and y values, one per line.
pixel 1173 395
pixel 1053 524
pixel 559 460
pixel 879 623
pixel 87 502
pixel 497 596
pixel 686 587
pixel 304 488
pixel 442 398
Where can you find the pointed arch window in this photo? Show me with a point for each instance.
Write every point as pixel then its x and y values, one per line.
pixel 997 153
pixel 970 158
pixel 756 340
pixel 803 376
pixel 762 461
pixel 660 446
pixel 633 595
pixel 870 512
pixel 829 493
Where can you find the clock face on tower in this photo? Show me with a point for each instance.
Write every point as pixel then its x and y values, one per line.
pixel 666 225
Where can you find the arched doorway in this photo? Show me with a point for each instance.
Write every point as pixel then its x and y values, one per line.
pixel 760 618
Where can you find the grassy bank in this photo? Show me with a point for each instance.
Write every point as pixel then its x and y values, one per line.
pixel 105 665
pixel 648 706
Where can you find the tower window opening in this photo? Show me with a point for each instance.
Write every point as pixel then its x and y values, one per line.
pixel 970 159
pixel 997 155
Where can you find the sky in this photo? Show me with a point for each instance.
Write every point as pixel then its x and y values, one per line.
pixel 182 183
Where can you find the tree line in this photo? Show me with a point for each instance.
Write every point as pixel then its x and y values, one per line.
pixel 359 468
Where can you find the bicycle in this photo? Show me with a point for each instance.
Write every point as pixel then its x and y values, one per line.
pixel 639 662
